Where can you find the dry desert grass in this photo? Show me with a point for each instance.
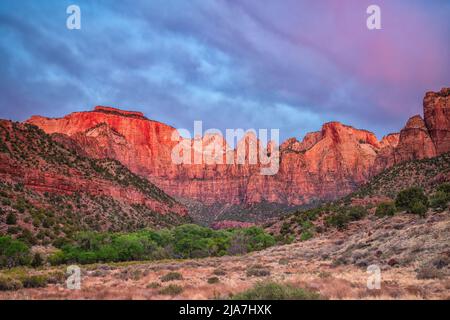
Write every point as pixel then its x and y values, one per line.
pixel 333 264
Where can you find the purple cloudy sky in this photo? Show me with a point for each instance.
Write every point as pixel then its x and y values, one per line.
pixel 285 64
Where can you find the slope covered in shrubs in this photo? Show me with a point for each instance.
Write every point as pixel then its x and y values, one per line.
pixel 44 196
pixel 45 218
pixel 30 147
pixel 413 187
pixel 303 225
pixel 426 174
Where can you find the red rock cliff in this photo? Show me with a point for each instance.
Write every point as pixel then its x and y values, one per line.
pixel 325 164
pixel 436 110
pixel 420 138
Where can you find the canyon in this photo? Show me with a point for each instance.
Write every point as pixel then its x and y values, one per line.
pixel 325 165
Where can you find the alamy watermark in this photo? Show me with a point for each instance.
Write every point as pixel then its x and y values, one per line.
pixel 73 281
pixel 373 22
pixel 374 278
pixel 211 147
pixel 73 21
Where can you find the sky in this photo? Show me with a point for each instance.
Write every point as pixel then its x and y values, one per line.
pixel 277 64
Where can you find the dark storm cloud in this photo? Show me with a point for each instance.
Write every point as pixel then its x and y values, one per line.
pixel 233 64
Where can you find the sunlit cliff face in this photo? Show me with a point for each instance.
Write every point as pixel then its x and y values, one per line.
pixel 326 164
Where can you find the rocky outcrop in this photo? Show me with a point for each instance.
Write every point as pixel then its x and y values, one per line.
pixel 415 142
pixel 390 140
pixel 420 138
pixel 436 110
pixel 144 146
pixel 386 155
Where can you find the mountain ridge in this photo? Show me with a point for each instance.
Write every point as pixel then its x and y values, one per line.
pixel 325 165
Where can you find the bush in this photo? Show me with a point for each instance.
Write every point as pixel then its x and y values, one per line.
pixel 34 281
pixel 356 213
pixel 238 245
pixel 285 239
pixel 408 198
pixel 56 277
pixel 306 235
pixel 276 291
pixel 219 272
pixel 13 253
pixel 439 200
pixel 153 285
pixel 258 271
pixel 171 290
pixel 445 187
pixel 60 242
pixel 190 240
pixel 8 283
pixel 429 272
pixel 257 238
pixel 213 280
pixel 338 220
pixel 11 219
pixel 27 237
pixel 58 257
pixel 37 260
pixel 171 276
pixel 419 208
pixel 385 209
pixel 13 230
pixel 285 228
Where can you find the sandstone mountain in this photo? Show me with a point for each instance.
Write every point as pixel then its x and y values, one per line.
pixel 325 165
pixel 43 180
pixel 436 109
pixel 421 137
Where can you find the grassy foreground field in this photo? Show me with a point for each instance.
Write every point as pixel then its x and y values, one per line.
pixel 412 252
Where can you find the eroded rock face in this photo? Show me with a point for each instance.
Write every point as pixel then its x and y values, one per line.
pixel 420 138
pixel 142 145
pixel 415 141
pixel 390 140
pixel 326 164
pixel 436 110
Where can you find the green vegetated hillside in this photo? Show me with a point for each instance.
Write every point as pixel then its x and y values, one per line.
pixel 425 173
pixel 418 187
pixel 47 217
